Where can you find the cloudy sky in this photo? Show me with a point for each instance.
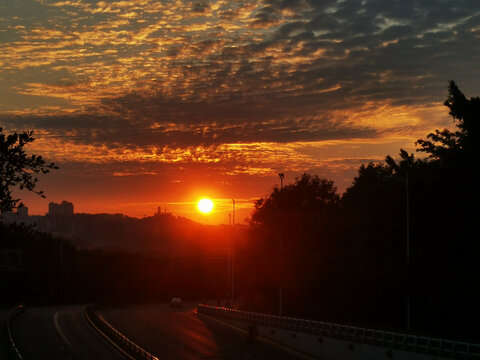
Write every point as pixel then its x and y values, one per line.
pixel 148 103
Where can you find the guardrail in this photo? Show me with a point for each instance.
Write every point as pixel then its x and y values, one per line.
pixel 117 337
pixel 401 341
pixel 11 344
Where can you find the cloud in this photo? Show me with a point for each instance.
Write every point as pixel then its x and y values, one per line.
pixel 190 49
pixel 121 78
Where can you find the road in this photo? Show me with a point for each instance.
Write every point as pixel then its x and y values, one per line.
pixel 64 333
pixel 181 334
pixel 59 333
pixel 3 332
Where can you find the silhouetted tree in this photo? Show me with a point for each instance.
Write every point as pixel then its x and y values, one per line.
pixel 18 168
pixel 448 146
pixel 448 249
pixel 443 251
pixel 292 228
pixel 345 260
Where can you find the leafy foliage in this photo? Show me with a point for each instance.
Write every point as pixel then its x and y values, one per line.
pixel 18 168
pixel 292 228
pixel 446 145
pixel 308 194
pixel 344 259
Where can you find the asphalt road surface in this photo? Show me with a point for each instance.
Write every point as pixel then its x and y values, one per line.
pixel 3 332
pixel 59 333
pixel 181 334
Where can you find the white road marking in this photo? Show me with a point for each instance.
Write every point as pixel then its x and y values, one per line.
pixel 60 331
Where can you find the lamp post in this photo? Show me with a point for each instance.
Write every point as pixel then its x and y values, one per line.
pixel 280 295
pixel 407 256
pixel 232 255
pixel 407 190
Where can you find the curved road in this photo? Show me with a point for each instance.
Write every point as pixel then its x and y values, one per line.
pixel 52 333
pixel 64 333
pixel 181 334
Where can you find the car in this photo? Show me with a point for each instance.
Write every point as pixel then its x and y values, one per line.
pixel 176 302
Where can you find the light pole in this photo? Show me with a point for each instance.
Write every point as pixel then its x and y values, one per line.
pixel 407 256
pixel 280 295
pixel 281 278
pixel 408 251
pixel 232 255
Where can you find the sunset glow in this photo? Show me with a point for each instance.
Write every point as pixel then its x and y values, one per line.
pixel 205 205
pixel 310 160
pixel 147 103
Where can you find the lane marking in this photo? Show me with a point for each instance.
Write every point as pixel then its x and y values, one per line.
pixel 122 352
pixel 285 348
pixel 60 331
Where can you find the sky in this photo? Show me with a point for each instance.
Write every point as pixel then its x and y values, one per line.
pixel 148 103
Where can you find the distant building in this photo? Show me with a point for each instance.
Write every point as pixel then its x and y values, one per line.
pixel 20 216
pixel 22 210
pixel 65 208
pixel 161 212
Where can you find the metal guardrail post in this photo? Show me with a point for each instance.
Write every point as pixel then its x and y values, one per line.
pixel 393 340
pixel 117 337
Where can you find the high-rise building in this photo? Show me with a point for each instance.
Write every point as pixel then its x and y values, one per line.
pixel 22 210
pixel 65 208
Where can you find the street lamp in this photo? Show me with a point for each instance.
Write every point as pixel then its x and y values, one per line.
pixel 281 176
pixel 280 296
pixel 407 225
pixel 408 251
pixel 232 254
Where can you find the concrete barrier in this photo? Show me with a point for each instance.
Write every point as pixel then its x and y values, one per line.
pixel 340 342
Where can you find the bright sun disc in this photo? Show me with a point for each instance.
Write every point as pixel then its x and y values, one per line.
pixel 205 205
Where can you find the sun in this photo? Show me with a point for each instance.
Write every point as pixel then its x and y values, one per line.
pixel 205 205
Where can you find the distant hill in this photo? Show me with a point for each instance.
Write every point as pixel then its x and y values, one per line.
pixel 162 234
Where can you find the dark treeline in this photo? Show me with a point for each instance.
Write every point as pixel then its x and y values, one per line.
pixel 53 271
pixel 345 259
pixel 336 258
